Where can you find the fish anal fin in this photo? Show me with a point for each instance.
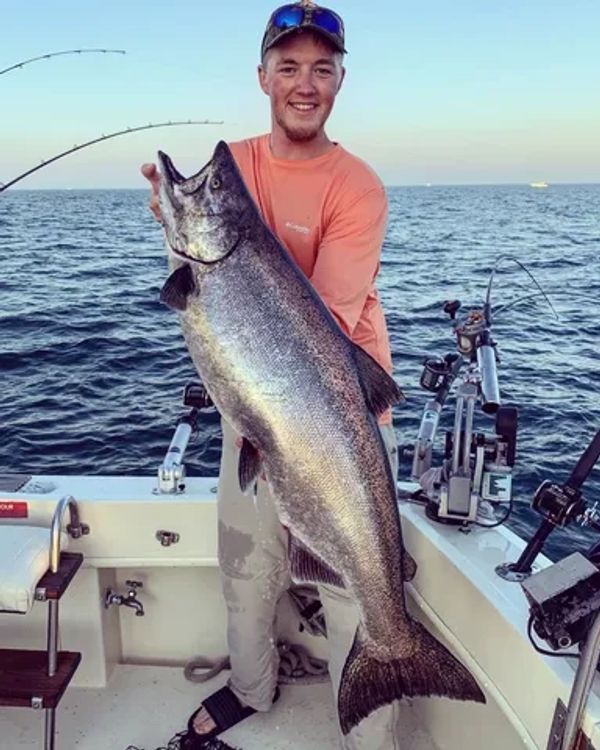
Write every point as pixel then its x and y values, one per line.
pixel 380 389
pixel 306 567
pixel 178 287
pixel 248 464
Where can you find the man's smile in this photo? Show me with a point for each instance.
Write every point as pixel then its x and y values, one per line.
pixel 303 106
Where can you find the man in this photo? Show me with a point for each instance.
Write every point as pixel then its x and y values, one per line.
pixel 329 210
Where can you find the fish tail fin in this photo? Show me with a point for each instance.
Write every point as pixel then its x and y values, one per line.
pixel 368 683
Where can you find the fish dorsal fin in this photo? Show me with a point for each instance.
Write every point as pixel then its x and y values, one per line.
pixel 248 465
pixel 380 389
pixel 306 567
pixel 177 287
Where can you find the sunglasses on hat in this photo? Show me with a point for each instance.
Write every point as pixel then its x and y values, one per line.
pixel 296 16
pixel 293 16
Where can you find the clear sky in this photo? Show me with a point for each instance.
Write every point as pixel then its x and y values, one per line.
pixel 470 91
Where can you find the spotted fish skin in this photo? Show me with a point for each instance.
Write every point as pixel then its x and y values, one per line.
pixel 306 400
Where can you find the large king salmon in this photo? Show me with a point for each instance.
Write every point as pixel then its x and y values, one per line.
pixel 306 400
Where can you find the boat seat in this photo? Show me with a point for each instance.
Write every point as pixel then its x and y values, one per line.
pixel 24 556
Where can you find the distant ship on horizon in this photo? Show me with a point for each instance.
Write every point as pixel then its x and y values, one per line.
pixel 540 184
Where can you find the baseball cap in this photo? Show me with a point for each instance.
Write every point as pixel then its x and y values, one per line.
pixel 303 15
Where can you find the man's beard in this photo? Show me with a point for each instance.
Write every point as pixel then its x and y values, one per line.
pixel 299 134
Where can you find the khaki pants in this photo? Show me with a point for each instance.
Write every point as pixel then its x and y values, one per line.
pixel 255 573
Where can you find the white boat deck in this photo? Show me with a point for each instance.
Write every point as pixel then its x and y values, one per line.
pixel 159 701
pixel 121 698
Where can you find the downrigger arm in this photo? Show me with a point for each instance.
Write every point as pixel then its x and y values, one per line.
pixel 476 466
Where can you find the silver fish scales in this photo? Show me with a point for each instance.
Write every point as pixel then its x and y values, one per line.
pixel 306 400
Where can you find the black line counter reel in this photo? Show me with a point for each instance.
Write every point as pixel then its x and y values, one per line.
pixel 477 466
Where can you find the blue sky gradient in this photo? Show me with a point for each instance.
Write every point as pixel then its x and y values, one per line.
pixel 444 93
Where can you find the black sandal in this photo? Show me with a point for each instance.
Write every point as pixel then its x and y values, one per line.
pixel 225 710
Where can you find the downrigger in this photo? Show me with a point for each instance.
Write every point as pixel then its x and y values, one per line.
pixel 477 465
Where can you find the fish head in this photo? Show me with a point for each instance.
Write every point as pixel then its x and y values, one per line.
pixel 203 215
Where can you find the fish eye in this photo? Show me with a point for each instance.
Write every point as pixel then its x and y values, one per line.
pixel 215 182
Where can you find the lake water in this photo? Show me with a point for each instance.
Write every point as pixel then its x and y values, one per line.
pixel 93 366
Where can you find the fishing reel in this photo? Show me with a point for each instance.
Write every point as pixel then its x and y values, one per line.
pixel 477 466
pixel 564 598
pixel 559 505
pixel 474 342
pixel 438 372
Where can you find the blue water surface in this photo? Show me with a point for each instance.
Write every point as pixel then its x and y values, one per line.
pixel 93 365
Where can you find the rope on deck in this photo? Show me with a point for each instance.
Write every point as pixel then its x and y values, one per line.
pixel 296 666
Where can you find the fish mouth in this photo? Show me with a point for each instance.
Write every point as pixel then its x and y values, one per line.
pixel 198 261
pixel 175 243
pixel 183 255
pixel 169 170
pixel 171 176
pixel 209 222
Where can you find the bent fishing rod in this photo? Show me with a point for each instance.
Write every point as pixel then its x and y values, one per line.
pixel 57 54
pixel 45 162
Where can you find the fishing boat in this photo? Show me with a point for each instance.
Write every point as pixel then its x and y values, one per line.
pixel 540 184
pixel 139 589
pixel 110 605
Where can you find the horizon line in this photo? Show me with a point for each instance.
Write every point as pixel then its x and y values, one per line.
pixel 395 185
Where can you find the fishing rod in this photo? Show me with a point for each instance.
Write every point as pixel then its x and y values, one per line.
pixel 559 505
pixel 477 467
pixel 45 162
pixel 63 52
pixel 564 597
pixel 521 265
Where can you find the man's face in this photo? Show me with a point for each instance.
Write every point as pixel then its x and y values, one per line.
pixel 301 76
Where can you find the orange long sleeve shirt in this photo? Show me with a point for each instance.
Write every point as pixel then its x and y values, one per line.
pixel 330 213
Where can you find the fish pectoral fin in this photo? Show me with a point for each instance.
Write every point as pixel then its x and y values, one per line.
pixel 379 388
pixel 306 567
pixel 178 287
pixel 248 464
